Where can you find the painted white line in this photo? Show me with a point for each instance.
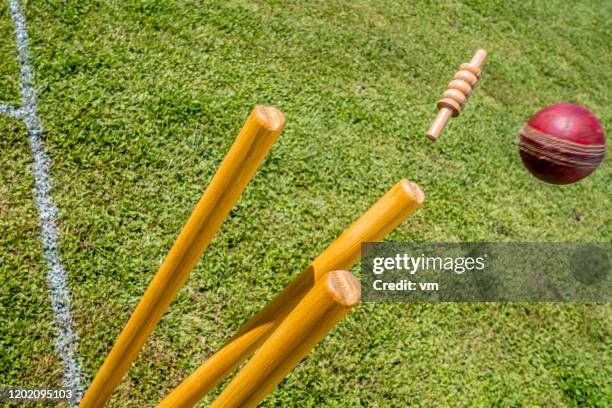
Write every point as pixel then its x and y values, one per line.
pixel 10 111
pixel 66 342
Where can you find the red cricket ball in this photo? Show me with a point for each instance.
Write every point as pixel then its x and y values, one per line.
pixel 562 143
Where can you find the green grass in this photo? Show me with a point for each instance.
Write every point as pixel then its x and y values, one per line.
pixel 141 100
pixel 9 68
pixel 25 316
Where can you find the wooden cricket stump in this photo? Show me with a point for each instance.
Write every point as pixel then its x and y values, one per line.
pixel 386 214
pixel 316 314
pixel 455 97
pixel 261 130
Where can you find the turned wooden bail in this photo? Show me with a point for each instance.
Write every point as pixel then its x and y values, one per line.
pixel 455 97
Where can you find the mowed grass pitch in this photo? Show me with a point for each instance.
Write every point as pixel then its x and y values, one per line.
pixel 141 100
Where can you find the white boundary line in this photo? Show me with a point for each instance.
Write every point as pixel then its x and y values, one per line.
pixel 66 342
pixel 10 111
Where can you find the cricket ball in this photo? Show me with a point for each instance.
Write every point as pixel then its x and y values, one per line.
pixel 562 143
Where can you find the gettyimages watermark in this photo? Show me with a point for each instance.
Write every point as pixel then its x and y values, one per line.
pixel 486 272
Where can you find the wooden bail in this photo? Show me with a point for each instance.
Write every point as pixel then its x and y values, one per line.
pixel 455 97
